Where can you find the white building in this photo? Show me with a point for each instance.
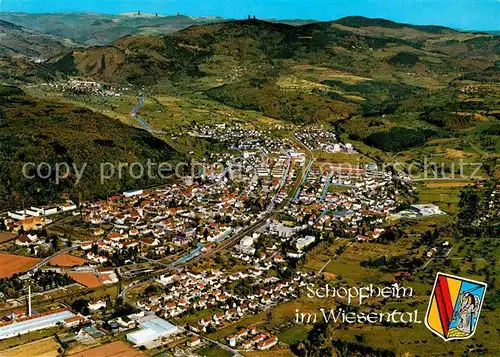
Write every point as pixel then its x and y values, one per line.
pixel 151 328
pixel 304 242
pixel 69 206
pixel 245 245
pixel 427 209
pixel 282 230
pixel 97 305
pixel 34 323
pixel 132 193
pixel 166 279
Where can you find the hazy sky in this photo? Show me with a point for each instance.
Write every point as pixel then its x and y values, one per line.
pixel 465 14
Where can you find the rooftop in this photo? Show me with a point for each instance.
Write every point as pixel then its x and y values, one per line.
pixel 32 324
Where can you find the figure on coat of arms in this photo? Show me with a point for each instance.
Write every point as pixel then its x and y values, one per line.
pixel 468 308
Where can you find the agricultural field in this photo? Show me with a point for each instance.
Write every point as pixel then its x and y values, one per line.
pixel 273 353
pixel 293 335
pixel 113 349
pixel 213 351
pixel 71 290
pixel 67 260
pixel 443 194
pixel 32 337
pixel 90 280
pixel 6 237
pixel 47 347
pixel 12 264
pixel 341 158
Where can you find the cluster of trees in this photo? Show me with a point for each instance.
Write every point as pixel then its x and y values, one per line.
pixel 222 219
pixel 393 264
pixel 14 287
pixel 81 306
pixel 391 234
pixel 49 280
pixel 152 290
pixel 119 258
pixel 443 118
pixel 492 130
pixel 245 287
pixel 399 138
pixel 473 206
pixel 407 59
pixel 313 345
pixel 347 348
pixel 122 308
pixel 254 204
pixel 489 144
pixel 382 97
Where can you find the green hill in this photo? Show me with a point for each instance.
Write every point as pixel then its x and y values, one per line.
pixel 18 40
pixel 259 47
pixel 32 131
pixel 317 72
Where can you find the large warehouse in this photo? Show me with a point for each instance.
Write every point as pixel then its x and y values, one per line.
pixel 151 328
pixel 34 322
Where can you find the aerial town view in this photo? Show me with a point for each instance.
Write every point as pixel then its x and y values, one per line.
pixel 252 178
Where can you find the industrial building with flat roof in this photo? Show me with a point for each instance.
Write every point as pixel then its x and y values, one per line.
pixel 151 328
pixel 34 323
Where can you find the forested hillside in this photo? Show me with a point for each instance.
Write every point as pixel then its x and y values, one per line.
pixel 32 131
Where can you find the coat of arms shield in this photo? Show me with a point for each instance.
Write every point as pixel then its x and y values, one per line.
pixel 454 307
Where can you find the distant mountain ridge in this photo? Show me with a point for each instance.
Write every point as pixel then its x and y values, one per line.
pixel 264 66
pixel 6 24
pixel 19 40
pixel 361 21
pixel 102 29
pixel 195 51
